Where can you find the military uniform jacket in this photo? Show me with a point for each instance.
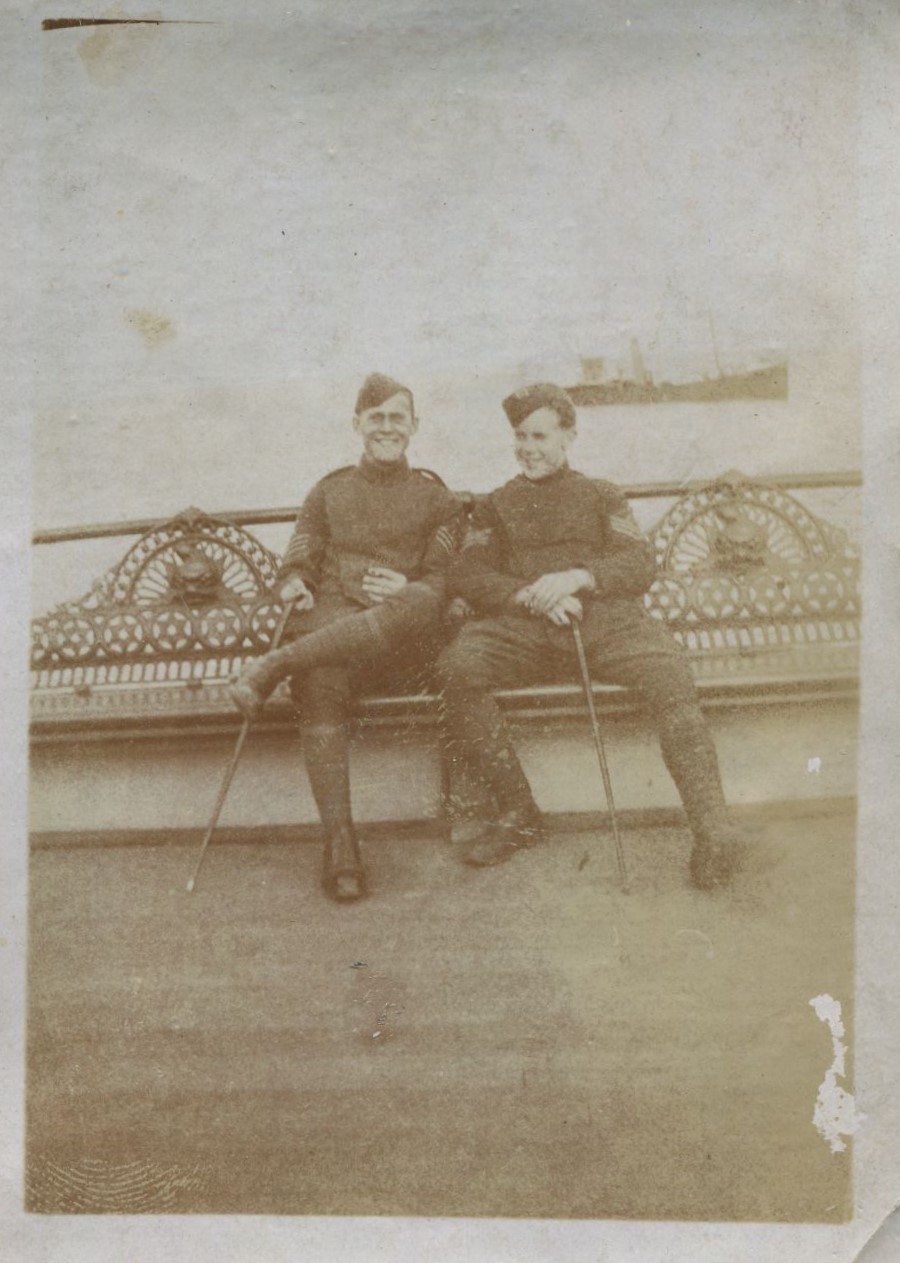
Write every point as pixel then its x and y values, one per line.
pixel 374 515
pixel 526 529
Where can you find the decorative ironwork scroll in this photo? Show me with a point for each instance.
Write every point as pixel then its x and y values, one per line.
pixel 749 580
pixel 195 587
pixel 748 573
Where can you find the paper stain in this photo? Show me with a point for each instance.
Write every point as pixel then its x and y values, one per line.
pixel 835 1112
pixel 699 938
pixel 384 1000
pixel 115 51
pixel 65 24
pixel 153 328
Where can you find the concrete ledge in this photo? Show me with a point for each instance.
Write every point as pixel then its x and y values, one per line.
pixel 413 831
pixel 789 744
pixel 171 712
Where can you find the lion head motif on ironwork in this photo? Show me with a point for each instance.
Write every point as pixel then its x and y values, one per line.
pixel 194 585
pixel 738 549
pixel 195 579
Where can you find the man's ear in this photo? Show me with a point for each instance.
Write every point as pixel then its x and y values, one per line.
pixel 571 435
pixel 415 425
pixel 356 422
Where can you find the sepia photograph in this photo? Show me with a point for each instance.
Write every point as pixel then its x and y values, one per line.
pixel 447 530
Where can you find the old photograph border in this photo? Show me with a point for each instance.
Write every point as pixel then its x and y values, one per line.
pixel 875 1019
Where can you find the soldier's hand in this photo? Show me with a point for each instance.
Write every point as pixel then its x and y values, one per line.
pixel 565 611
pixel 379 582
pixel 295 591
pixel 550 589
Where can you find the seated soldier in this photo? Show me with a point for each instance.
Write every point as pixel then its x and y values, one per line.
pixel 366 567
pixel 548 547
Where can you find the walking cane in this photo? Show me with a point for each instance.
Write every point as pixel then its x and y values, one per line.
pixel 235 758
pixel 601 755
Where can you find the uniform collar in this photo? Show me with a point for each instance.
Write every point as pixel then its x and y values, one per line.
pixel 551 480
pixel 374 471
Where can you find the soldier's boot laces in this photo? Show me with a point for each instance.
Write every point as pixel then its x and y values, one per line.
pixel 343 875
pixel 515 830
pixel 717 856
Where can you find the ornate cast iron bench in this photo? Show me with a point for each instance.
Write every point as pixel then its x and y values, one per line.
pixel 762 593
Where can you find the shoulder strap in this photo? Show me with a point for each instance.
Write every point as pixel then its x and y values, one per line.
pixel 431 476
pixel 344 469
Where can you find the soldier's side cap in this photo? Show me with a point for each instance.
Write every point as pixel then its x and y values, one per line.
pixel 376 388
pixel 522 403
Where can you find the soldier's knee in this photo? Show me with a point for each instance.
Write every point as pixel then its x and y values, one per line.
pixel 457 667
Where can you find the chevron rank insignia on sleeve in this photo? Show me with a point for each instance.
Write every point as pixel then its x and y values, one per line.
pixel 444 536
pixel 625 524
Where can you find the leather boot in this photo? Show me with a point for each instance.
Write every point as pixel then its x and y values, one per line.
pixel 474 723
pixel 257 680
pixel 690 756
pixel 343 640
pixel 717 854
pixel 353 638
pixel 325 748
pixel 469 806
pixel 343 875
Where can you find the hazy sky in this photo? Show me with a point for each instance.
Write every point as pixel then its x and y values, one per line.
pixel 445 189
pixel 239 220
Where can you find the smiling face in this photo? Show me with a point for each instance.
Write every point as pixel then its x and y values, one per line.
pixel 542 444
pixel 386 430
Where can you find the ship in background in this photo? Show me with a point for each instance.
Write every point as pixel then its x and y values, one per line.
pixel 767 380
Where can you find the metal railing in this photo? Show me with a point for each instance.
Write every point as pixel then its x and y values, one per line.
pixel 279 516
pixel 760 590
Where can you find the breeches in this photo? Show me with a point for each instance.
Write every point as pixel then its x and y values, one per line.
pixel 401 660
pixel 632 650
pixel 514 651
